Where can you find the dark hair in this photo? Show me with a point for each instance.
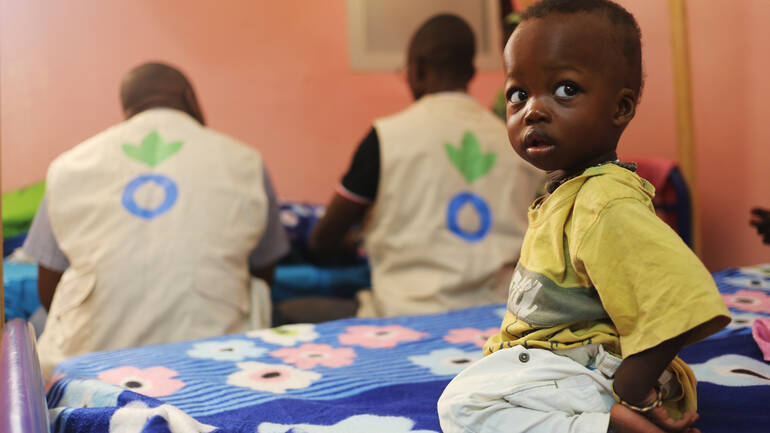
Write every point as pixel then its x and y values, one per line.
pixel 446 43
pixel 627 35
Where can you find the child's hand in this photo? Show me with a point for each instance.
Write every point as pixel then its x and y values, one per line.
pixel 660 417
pixel 626 420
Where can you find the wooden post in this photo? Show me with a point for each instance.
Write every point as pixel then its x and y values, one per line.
pixel 683 106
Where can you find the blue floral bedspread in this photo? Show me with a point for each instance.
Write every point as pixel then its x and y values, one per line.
pixel 363 375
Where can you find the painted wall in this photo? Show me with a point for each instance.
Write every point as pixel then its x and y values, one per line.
pixel 728 48
pixel 275 75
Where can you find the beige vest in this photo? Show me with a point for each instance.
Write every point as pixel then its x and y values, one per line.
pixel 157 216
pixel 451 209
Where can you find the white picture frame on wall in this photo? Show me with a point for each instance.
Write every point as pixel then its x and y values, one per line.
pixel 379 30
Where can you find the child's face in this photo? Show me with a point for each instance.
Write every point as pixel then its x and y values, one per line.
pixel 566 106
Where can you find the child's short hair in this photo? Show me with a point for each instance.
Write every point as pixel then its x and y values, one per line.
pixel 628 35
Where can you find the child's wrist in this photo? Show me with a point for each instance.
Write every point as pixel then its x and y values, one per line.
pixel 653 400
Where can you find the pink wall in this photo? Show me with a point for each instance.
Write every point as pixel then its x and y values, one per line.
pixel 729 47
pixel 653 130
pixel 728 55
pixel 275 75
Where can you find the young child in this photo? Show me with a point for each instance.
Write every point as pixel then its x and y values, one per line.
pixel 605 294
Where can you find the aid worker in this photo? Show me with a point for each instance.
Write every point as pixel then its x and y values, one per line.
pixel 442 199
pixel 148 230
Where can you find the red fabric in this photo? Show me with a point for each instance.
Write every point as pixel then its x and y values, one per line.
pixel 656 171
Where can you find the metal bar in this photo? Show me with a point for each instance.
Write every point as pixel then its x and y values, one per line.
pixel 683 106
pixel 23 407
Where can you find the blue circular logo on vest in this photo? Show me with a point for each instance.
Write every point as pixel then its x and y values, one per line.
pixel 168 185
pixel 482 210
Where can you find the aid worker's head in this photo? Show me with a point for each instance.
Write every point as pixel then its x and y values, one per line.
pixel 440 56
pixel 153 85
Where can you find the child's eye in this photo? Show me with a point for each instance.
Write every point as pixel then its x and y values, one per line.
pixel 517 95
pixel 567 90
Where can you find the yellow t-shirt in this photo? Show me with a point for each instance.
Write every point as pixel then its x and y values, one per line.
pixel 598 266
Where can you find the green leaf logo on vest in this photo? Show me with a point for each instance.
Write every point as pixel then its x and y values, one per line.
pixel 469 159
pixel 153 150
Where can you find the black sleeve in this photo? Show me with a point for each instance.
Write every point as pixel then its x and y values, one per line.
pixel 363 175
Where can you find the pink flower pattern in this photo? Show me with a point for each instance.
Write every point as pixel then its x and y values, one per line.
pixel 379 337
pixel 152 381
pixel 470 335
pixel 748 300
pixel 312 355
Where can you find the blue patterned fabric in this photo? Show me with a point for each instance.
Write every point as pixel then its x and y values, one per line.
pixel 293 281
pixel 302 273
pixel 362 375
pixel 12 242
pixel 298 219
pixel 20 282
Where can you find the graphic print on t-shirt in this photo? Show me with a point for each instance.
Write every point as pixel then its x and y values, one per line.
pixel 152 151
pixel 473 164
pixel 538 300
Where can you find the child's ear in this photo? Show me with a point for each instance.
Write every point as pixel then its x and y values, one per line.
pixel 625 108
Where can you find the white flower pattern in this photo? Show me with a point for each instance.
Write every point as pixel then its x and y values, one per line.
pixel 275 378
pixel 226 350
pixel 446 362
pixel 133 417
pixel 356 423
pixel 286 335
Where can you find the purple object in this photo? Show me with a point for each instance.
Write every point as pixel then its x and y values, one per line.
pixel 22 399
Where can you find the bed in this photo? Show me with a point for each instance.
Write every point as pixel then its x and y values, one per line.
pixel 364 375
